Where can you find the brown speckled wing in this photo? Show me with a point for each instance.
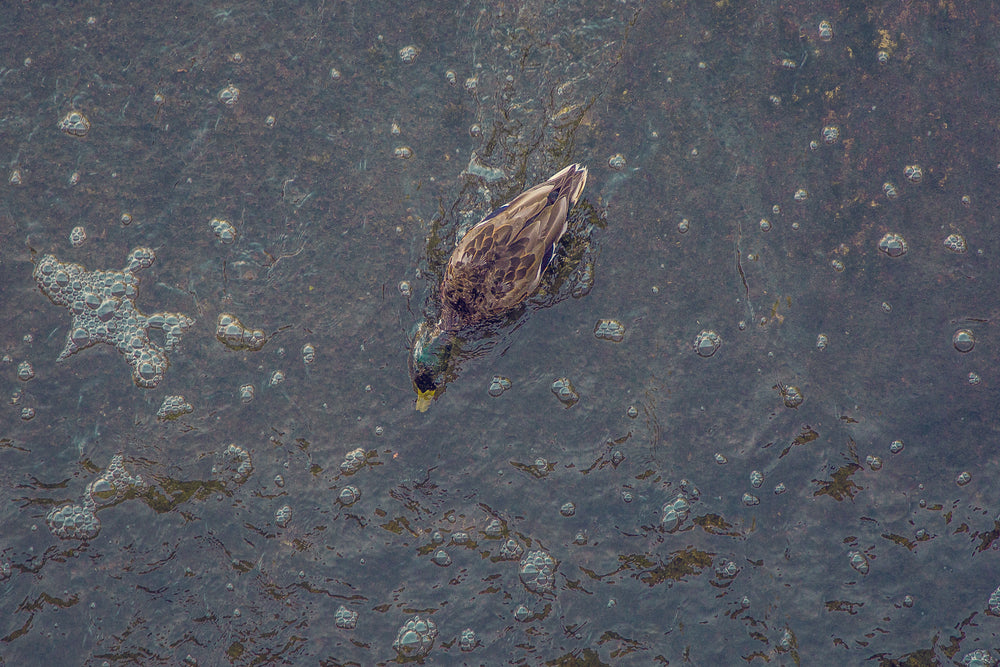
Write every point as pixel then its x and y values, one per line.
pixel 499 263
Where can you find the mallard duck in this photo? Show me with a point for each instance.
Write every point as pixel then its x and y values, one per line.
pixel 494 268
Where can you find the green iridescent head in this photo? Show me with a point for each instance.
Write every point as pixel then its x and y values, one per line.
pixel 430 362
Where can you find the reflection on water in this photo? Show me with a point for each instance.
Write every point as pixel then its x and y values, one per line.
pixel 762 433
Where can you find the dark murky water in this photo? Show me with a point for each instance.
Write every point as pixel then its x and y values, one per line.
pixel 764 159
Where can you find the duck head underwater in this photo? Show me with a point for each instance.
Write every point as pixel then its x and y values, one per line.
pixel 496 266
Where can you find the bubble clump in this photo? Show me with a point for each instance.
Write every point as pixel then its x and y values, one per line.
pixel 25 371
pixel 408 53
pixel 511 550
pixel 707 343
pixel 353 461
pixel 79 521
pixel 77 236
pixel 345 619
pixel 308 354
pixel 537 571
pixel 564 391
pixel 112 484
pixel 229 95
pixel 223 230
pixel 349 495
pixel 230 332
pixel 235 465
pixel 727 570
pixel 75 124
pixel 956 243
pixel 173 407
pixel 102 304
pixel 893 245
pixel 73 522
pixel 610 330
pixel 282 516
pixel 859 561
pixel 674 512
pixel 791 395
pixel 416 638
pixel 495 528
pixel 979 658
pixel 498 385
pixel 914 173
pixel 994 602
pixel 468 641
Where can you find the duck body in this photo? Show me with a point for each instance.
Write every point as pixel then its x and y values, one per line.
pixel 499 262
pixel 496 266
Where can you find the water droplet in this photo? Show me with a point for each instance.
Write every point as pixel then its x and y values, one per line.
pixel 964 340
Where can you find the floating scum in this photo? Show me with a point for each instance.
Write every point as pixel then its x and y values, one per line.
pixel 496 266
pixel 102 304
